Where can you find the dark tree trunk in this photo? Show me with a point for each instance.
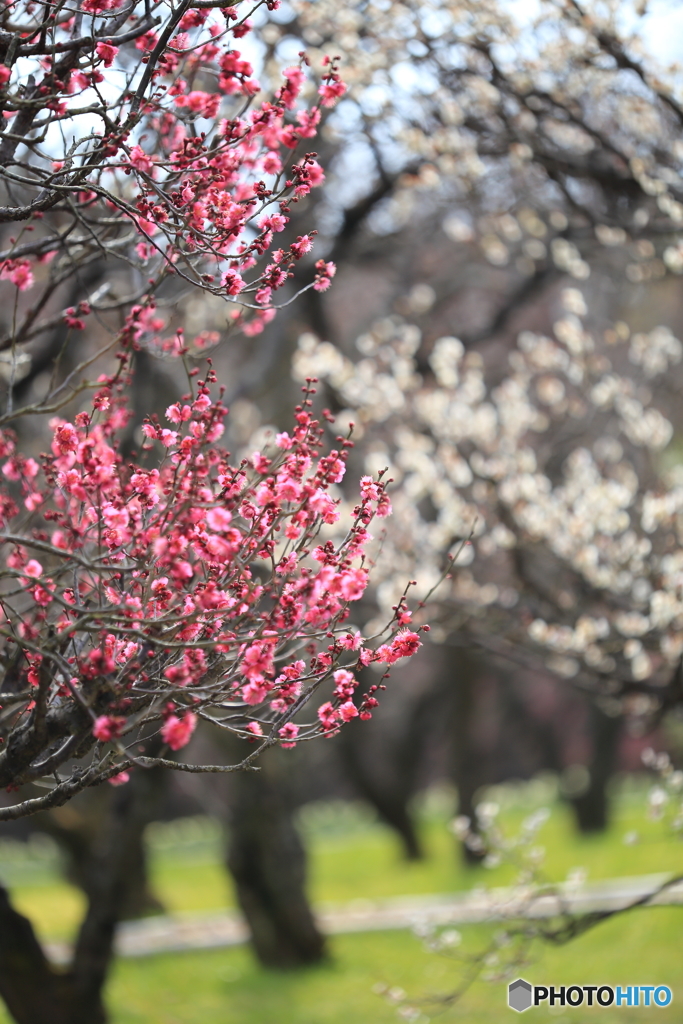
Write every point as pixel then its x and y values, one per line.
pixel 80 829
pixel 389 785
pixel 591 807
pixel 386 760
pixel 35 991
pixel 466 757
pixel 390 802
pixel 268 864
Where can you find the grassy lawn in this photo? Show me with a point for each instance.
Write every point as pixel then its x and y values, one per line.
pixel 352 857
pixel 224 986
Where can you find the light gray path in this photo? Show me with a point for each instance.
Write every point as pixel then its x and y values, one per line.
pixel 166 934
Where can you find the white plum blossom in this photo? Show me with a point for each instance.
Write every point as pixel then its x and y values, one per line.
pixel 566 549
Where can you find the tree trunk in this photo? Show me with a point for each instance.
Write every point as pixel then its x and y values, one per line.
pixel 388 786
pixel 35 991
pixel 268 864
pixel 591 807
pixel 466 758
pixel 79 827
pixel 390 802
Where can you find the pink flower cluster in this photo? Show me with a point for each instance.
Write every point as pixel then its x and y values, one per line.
pixel 19 272
pixel 187 584
pixel 193 196
pixel 342 709
pixel 148 594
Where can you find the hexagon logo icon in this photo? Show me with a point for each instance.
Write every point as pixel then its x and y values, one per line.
pixel 519 995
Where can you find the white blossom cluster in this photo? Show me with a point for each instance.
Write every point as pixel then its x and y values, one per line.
pixel 550 471
pixel 555 112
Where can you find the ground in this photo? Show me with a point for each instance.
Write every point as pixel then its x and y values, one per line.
pixel 352 857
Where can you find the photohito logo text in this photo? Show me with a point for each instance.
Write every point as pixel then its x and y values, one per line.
pixel 522 995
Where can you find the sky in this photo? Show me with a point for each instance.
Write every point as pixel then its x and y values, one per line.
pixel 662 26
pixel 663 31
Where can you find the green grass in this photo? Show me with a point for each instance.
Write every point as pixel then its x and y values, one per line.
pixel 225 987
pixel 352 857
